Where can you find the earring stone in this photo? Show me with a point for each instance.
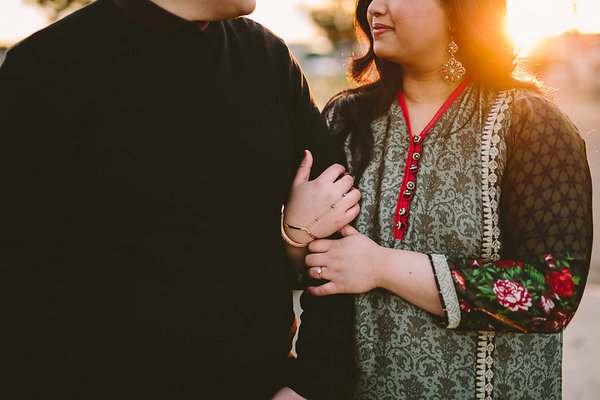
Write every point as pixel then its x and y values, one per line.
pixel 453 70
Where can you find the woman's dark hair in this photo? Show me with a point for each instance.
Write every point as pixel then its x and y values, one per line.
pixel 484 49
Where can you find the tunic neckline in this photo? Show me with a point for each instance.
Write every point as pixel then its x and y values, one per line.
pixel 412 160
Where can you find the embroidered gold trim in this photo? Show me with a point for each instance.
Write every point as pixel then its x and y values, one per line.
pixel 491 231
pixel 485 361
pixel 444 277
pixel 491 193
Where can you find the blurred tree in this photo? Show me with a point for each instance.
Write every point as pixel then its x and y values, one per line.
pixel 57 7
pixel 335 17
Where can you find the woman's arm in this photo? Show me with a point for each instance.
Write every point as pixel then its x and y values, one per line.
pixel 500 294
pixel 356 264
pixel 546 222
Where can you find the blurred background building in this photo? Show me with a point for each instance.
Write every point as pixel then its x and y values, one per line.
pixel 559 40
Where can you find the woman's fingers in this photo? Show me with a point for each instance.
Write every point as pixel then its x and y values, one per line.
pixel 319 246
pixel 303 172
pixel 349 230
pixel 321 205
pixel 324 290
pixel 340 214
pixel 315 259
pixel 317 272
pixel 350 198
pixel 331 174
pixel 345 202
pixel 343 184
pixel 352 213
pixel 346 209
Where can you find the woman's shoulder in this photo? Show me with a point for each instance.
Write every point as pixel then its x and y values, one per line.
pixel 535 105
pixel 535 116
pixel 531 100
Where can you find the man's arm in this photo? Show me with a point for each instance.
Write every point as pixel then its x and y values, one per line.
pixel 324 343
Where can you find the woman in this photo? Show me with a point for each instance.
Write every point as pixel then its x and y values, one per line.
pixel 472 246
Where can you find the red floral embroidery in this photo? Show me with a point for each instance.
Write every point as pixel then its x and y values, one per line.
pixel 546 304
pixel 459 279
pixel 536 322
pixel 560 320
pixel 508 263
pixel 550 260
pixel 529 297
pixel 464 305
pixel 512 295
pixel 561 283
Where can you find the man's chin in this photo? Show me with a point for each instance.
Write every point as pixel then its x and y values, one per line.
pixel 248 8
pixel 242 10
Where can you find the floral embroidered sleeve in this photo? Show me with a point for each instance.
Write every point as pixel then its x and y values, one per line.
pixel 546 224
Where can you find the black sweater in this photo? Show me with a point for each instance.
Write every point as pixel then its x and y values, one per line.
pixel 142 176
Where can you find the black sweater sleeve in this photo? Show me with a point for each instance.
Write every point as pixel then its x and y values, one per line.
pixel 25 128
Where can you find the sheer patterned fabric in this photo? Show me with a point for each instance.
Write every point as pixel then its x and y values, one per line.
pixel 546 222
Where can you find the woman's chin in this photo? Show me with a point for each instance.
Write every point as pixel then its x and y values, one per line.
pixel 385 54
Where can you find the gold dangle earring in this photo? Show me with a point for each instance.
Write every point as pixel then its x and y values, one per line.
pixel 453 70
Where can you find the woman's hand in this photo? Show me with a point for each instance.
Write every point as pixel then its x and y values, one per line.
pixel 323 205
pixel 356 264
pixel 350 264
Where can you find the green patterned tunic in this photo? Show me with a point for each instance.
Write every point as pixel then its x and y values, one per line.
pixel 502 205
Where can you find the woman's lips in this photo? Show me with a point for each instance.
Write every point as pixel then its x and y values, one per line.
pixel 380 29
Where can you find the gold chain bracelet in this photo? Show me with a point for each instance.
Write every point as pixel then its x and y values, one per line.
pixel 306 228
pixel 285 236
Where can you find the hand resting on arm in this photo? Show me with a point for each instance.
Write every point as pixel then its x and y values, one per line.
pixel 319 207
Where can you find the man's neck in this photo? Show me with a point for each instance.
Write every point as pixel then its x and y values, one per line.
pixel 188 10
pixel 207 10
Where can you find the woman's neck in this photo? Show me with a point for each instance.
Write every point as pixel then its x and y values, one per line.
pixel 428 87
pixel 424 94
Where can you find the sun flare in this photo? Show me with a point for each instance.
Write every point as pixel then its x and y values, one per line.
pixel 529 21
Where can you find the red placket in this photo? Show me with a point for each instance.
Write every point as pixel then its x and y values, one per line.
pixel 412 161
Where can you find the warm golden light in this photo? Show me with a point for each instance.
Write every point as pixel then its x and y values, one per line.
pixel 532 20
pixel 529 20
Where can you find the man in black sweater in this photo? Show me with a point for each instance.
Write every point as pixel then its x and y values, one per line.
pixel 143 161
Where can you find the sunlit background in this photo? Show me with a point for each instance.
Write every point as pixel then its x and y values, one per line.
pixel 530 21
pixel 561 40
